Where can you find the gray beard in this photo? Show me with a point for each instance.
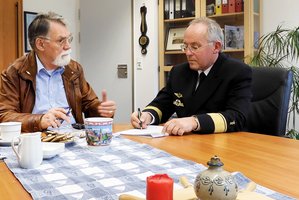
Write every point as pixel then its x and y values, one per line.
pixel 62 60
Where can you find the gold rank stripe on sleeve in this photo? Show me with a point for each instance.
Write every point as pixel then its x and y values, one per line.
pixel 219 122
pixel 157 110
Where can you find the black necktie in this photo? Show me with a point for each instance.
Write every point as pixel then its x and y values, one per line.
pixel 201 78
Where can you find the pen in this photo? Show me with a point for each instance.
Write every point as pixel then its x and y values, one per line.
pixel 2 157
pixel 67 114
pixel 139 116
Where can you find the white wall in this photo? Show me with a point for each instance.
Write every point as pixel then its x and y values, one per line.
pixel 67 8
pixel 104 46
pixel 278 12
pixel 146 80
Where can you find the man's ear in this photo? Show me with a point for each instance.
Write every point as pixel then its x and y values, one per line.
pixel 217 47
pixel 39 44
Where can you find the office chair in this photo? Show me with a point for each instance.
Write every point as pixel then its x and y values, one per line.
pixel 271 89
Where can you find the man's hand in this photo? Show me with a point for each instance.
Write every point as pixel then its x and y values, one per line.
pixel 145 118
pixel 53 117
pixel 179 126
pixel 106 108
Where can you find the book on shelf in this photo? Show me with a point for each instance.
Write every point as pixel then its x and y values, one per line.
pixel 231 6
pixel 171 9
pixel 239 6
pixel 233 37
pixel 187 8
pixel 224 5
pixel 166 9
pixel 218 7
pixel 177 9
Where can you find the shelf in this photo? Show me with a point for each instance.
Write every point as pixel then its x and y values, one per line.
pixel 227 15
pixel 232 50
pixel 179 20
pixel 174 52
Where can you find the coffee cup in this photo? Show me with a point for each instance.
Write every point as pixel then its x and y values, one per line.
pixel 98 131
pixel 29 151
pixel 9 130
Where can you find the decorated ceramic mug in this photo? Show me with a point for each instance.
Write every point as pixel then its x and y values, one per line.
pixel 98 131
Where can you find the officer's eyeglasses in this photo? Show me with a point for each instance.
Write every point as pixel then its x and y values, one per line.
pixel 193 48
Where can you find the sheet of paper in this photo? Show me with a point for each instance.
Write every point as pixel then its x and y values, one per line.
pixel 151 131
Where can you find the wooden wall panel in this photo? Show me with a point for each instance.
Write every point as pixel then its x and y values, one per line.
pixel 11 31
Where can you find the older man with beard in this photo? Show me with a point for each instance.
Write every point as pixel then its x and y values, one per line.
pixel 39 88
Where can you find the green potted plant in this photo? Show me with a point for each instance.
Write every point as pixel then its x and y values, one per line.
pixel 280 48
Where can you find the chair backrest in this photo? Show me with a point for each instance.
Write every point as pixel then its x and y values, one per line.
pixel 271 89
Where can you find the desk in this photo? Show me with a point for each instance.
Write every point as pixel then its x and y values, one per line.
pixel 269 161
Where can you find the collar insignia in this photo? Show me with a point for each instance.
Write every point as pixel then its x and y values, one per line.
pixel 178 95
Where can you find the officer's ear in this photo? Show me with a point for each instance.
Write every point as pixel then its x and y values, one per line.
pixel 217 47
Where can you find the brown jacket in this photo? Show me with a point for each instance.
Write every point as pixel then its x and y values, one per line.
pixel 17 93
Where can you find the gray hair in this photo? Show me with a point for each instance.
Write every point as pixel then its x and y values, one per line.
pixel 214 33
pixel 41 24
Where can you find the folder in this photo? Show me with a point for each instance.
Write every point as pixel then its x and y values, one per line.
pixel 166 9
pixel 190 6
pixel 171 9
pixel 239 5
pixel 231 6
pixel 224 6
pixel 177 10
pixel 183 8
pixel 218 9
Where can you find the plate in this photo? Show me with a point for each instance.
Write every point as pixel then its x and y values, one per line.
pixel 51 149
pixel 7 143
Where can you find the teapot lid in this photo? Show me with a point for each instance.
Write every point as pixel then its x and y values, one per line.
pixel 215 162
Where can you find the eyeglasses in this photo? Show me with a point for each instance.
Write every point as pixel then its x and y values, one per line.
pixel 193 48
pixel 61 42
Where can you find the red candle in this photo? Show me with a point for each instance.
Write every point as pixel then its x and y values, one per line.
pixel 159 187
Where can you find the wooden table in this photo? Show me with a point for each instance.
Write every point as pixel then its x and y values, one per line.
pixel 268 160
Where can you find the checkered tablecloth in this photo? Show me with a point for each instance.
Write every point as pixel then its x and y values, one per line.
pixel 103 173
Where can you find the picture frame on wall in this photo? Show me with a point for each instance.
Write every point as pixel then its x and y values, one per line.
pixel 175 38
pixel 28 18
pixel 233 37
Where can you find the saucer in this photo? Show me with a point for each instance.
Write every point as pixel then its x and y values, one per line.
pixel 6 143
pixel 51 149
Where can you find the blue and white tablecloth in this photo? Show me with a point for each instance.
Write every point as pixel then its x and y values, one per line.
pixel 105 173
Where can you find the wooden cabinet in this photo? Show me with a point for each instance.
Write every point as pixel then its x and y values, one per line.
pixel 11 31
pixel 247 20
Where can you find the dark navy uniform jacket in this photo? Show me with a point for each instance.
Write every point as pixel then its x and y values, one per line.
pixel 220 103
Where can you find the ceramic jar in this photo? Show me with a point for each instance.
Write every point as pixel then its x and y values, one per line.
pixel 215 183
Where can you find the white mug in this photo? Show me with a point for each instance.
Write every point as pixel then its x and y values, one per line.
pixel 29 151
pixel 9 130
